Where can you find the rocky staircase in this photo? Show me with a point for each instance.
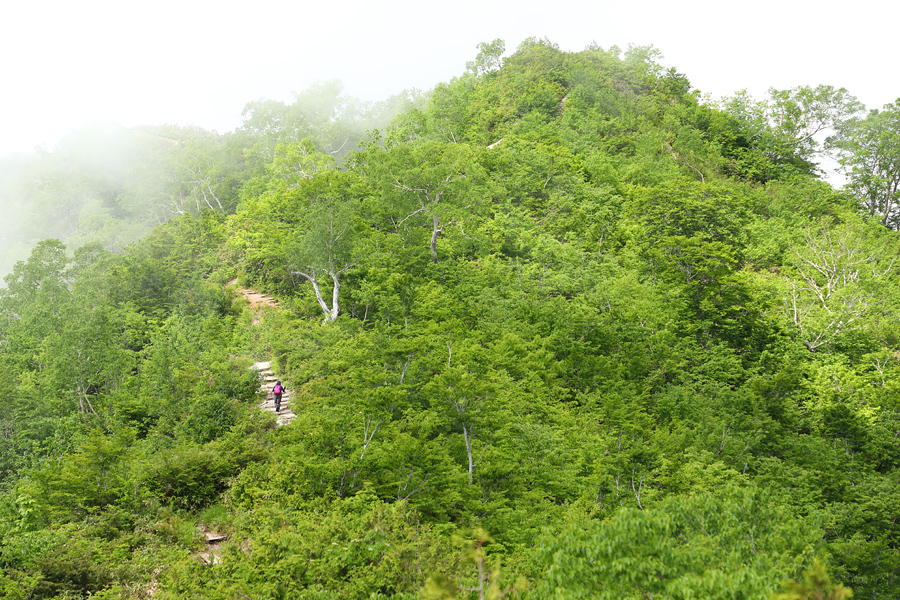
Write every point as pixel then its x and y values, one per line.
pixel 267 381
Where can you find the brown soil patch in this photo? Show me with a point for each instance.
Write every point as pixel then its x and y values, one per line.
pixel 257 300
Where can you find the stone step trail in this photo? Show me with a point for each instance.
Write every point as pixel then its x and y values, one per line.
pixel 268 379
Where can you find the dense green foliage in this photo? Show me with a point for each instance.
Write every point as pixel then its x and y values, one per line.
pixel 110 185
pixel 561 330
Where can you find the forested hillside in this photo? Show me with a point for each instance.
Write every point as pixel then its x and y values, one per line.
pixel 563 329
pixel 110 185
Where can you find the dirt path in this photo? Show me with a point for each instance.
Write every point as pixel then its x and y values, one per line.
pixel 267 379
pixel 214 542
pixel 258 303
pixel 258 300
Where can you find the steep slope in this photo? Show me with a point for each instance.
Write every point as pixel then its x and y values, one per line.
pixel 632 350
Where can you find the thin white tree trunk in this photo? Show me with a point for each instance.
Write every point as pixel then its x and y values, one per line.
pixel 330 313
pixel 333 315
pixel 467 437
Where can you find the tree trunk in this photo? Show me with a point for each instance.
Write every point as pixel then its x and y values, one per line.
pixel 331 314
pixel 435 230
pixel 335 293
pixel 467 437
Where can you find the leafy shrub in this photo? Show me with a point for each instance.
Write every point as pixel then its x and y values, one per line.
pixel 190 476
pixel 210 417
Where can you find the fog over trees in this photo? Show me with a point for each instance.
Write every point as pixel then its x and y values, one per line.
pixel 110 184
pixel 559 328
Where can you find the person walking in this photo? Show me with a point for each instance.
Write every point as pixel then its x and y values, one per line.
pixel 277 391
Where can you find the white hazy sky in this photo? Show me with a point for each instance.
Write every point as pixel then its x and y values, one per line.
pixel 64 63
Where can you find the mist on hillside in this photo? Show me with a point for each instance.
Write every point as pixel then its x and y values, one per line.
pixel 109 184
pixel 566 306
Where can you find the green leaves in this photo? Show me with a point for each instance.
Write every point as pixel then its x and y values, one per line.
pixel 692 237
pixel 710 546
pixel 816 584
pixel 842 281
pixel 567 302
pixel 489 59
pixel 784 127
pixel 869 152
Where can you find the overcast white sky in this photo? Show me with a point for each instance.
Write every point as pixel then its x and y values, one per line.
pixel 64 63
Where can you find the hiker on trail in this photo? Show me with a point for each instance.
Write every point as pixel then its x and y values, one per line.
pixel 277 391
